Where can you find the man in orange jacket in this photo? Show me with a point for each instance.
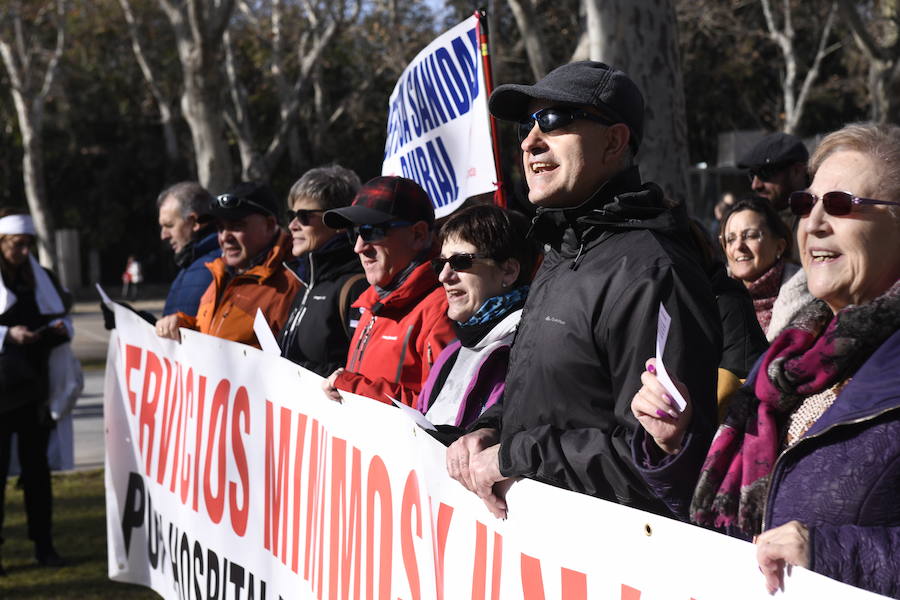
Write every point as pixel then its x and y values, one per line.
pixel 403 324
pixel 250 274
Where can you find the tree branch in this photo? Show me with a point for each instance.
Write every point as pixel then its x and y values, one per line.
pixel 813 71
pixel 864 39
pixel 171 12
pixel 50 73
pixel 218 20
pixel 529 29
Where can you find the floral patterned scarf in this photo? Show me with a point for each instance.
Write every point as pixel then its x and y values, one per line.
pixel 817 350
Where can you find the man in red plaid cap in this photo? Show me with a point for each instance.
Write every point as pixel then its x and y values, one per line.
pixel 403 323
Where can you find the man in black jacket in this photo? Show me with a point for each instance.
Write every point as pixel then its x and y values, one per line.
pixel 617 250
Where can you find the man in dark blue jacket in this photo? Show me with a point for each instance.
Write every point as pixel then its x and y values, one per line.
pixel 184 223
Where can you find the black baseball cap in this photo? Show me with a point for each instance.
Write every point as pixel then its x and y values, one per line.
pixel 246 198
pixel 582 83
pixel 775 149
pixel 384 199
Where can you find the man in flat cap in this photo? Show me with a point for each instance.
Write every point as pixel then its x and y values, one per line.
pixel 250 274
pixel 776 167
pixel 617 251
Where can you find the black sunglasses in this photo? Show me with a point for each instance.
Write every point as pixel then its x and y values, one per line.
pixel 555 117
pixel 373 233
pixel 457 262
pixel 767 173
pixel 835 203
pixel 302 214
pixel 230 201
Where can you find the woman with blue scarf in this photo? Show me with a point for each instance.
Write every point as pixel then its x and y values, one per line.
pixel 485 265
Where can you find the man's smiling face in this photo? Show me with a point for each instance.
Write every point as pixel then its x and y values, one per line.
pixel 565 166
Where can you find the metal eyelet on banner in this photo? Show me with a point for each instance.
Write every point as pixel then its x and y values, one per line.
pixel 648 531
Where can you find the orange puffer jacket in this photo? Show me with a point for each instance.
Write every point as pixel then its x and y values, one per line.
pixel 227 311
pixel 398 339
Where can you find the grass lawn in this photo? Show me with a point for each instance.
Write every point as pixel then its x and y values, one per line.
pixel 79 521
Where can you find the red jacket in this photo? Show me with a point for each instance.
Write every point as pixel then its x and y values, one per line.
pixel 398 339
pixel 228 308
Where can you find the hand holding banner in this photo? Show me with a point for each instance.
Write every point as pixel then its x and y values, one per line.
pixel 227 468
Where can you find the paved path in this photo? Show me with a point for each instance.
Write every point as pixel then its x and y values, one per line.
pixel 89 345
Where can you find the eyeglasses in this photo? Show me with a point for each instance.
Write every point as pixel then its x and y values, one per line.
pixel 457 262
pixel 555 117
pixel 371 234
pixel 767 173
pixel 747 235
pixel 230 201
pixel 835 203
pixel 302 214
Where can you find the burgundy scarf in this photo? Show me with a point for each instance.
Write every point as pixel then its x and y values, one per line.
pixel 813 353
pixel 764 291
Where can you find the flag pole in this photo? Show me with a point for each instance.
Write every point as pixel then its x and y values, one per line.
pixel 500 192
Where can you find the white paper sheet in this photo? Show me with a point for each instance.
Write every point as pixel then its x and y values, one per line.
pixel 413 414
pixel 662 334
pixel 264 334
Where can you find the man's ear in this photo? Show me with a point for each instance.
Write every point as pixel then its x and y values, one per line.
pixel 421 233
pixel 799 178
pixel 617 137
pixel 194 221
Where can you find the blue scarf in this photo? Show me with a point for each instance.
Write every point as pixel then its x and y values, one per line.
pixel 497 306
pixel 493 311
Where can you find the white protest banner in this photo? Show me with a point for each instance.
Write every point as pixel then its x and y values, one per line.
pixel 438 131
pixel 230 475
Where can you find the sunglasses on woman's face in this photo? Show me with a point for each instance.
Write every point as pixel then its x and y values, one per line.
pixel 457 262
pixel 302 214
pixel 553 118
pixel 835 203
pixel 372 234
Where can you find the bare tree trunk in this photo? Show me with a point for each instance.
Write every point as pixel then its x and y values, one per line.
pixel 882 54
pixel 323 24
pixel 640 37
pixel 29 101
pixel 239 122
pixel 530 30
pixel 199 27
pixel 164 106
pixel 795 100
pixel 593 22
pixel 494 39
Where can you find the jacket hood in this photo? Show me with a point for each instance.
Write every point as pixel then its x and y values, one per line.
pixel 621 203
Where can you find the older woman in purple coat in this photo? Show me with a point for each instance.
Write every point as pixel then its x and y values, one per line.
pixel 808 457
